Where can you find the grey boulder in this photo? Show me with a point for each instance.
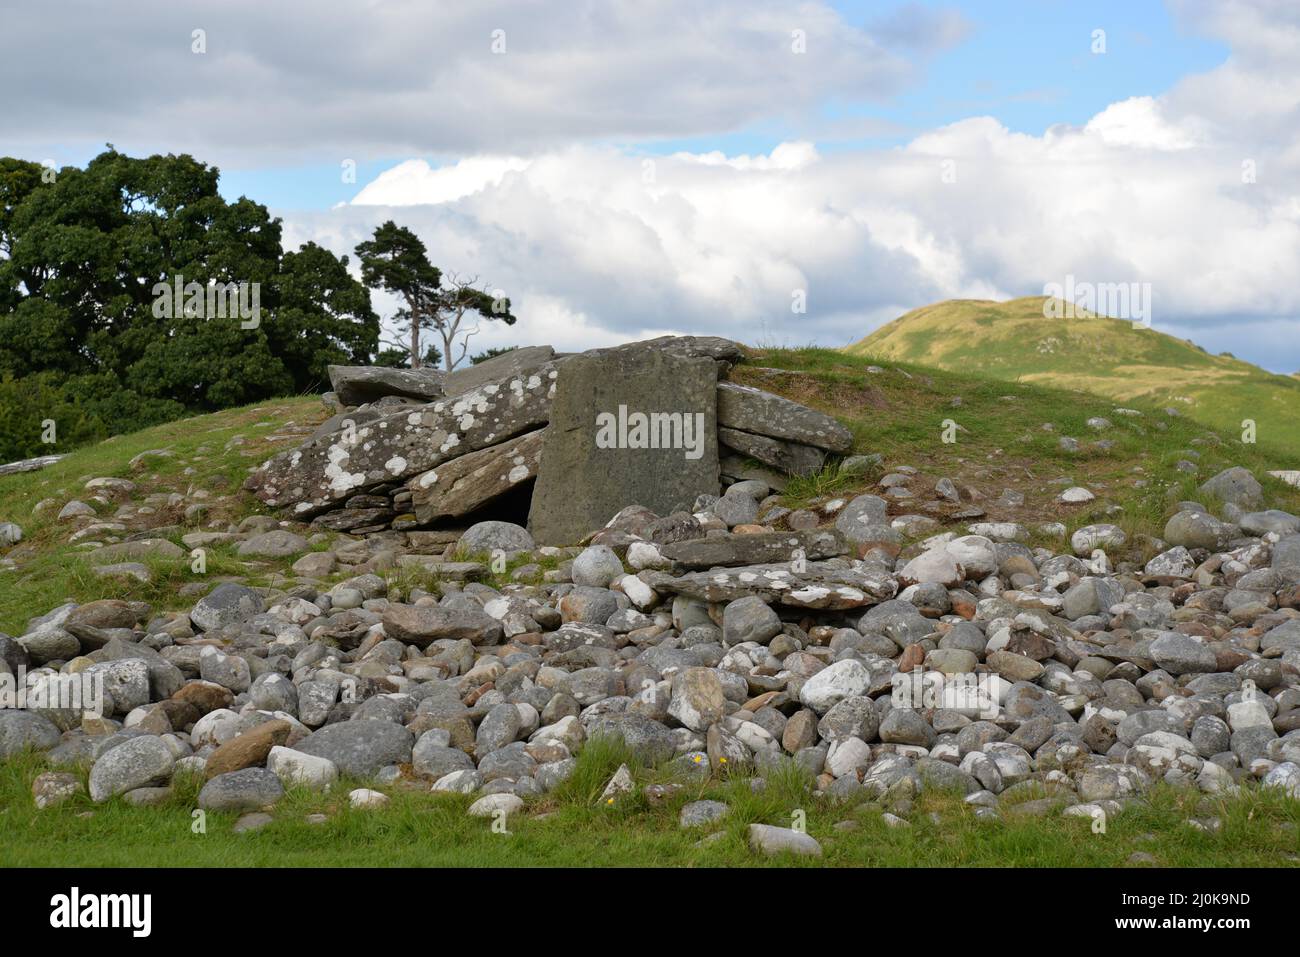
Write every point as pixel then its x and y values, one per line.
pixel 362 747
pixel 1182 655
pixel 136 763
pixel 20 730
pixel 277 543
pixel 765 839
pixel 1236 486
pixel 244 790
pixel 496 536
pixel 227 604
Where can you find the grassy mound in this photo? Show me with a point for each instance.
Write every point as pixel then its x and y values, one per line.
pixel 210 452
pixel 1012 341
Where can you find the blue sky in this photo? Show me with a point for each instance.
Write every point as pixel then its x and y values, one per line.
pixel 1030 64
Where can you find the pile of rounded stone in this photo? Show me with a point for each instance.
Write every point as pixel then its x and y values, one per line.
pixel 711 639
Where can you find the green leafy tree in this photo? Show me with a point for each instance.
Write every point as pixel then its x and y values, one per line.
pixel 89 260
pixel 401 358
pixel 491 353
pixel 396 261
pixel 18 178
pixel 27 404
pixel 324 317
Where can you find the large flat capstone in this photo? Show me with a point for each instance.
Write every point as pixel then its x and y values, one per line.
pixel 522 361
pixel 355 385
pixel 327 471
pixel 628 426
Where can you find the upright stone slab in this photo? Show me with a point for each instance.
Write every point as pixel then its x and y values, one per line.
pixel 628 427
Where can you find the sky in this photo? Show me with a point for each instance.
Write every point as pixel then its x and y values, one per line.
pixel 629 169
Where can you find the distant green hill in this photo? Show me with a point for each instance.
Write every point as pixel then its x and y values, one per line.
pixel 1107 357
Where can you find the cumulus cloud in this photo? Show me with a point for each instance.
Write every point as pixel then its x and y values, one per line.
pixel 1196 191
pixel 415 181
pixel 619 245
pixel 1140 121
pixel 294 80
pixel 599 242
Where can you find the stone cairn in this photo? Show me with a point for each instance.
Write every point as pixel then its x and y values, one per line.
pixel 707 631
pixel 415 449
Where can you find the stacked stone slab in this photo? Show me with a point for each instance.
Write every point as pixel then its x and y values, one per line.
pixel 779 433
pixel 357 385
pixel 466 484
pixel 327 473
pixel 411 449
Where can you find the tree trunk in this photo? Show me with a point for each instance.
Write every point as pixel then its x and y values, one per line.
pixel 415 338
pixel 447 331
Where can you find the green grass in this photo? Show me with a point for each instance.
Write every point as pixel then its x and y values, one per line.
pixel 802 490
pixel 1012 341
pixel 900 412
pixel 208 444
pixel 573 828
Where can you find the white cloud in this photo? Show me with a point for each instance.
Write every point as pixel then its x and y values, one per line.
pixel 598 242
pixel 1139 121
pixel 415 181
pixel 295 80
pixel 785 156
